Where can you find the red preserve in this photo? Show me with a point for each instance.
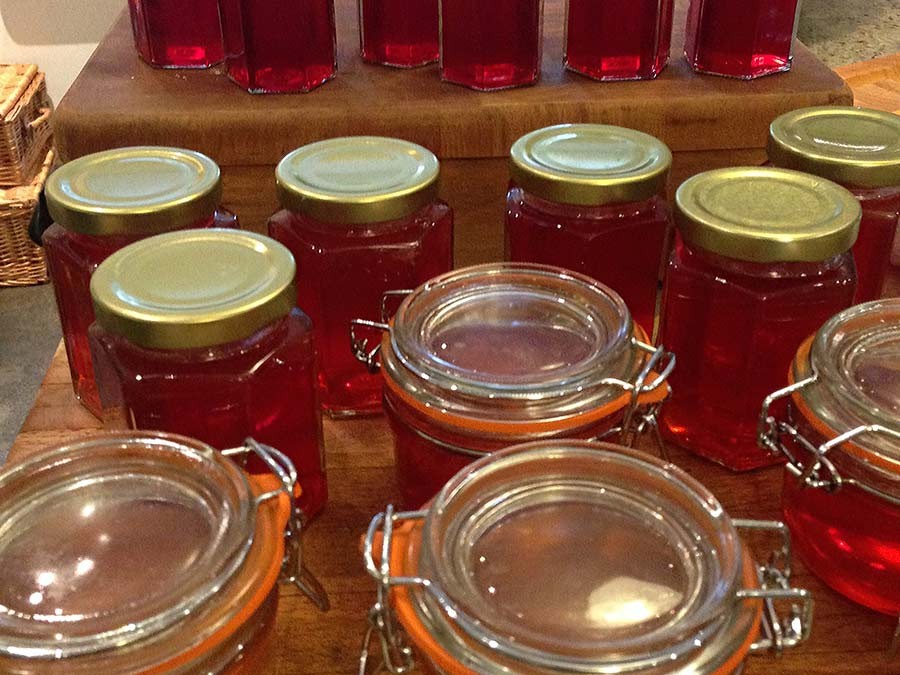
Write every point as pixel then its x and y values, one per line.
pixel 401 33
pixel 102 202
pixel 859 149
pixel 197 333
pixel 177 34
pixel 761 260
pixel 362 217
pixel 589 198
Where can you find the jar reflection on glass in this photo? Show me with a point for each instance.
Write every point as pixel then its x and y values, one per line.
pixel 176 34
pixel 401 33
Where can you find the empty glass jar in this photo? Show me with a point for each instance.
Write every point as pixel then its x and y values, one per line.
pixel 176 34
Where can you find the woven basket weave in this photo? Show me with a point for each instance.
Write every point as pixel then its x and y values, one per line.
pixel 25 110
pixel 21 260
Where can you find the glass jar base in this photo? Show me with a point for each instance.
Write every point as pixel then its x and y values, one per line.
pixel 735 453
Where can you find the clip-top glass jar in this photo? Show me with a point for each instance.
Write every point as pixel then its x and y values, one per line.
pixel 491 45
pixel 279 46
pixel 761 260
pixel 589 198
pixel 745 39
pixel 573 557
pixel 140 553
pixel 859 149
pixel 840 432
pixel 197 333
pixel 361 217
pixel 400 33
pixel 177 34
pixel 484 357
pixel 618 40
pixel 104 201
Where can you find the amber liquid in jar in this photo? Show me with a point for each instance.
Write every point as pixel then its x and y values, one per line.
pixel 402 33
pixel 176 34
pixel 618 40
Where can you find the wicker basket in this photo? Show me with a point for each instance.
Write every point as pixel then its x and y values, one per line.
pixel 25 110
pixel 21 260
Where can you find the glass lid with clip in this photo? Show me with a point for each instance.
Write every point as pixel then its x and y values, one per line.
pixel 576 557
pixel 145 553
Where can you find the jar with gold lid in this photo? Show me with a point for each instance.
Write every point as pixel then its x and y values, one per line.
pixel 361 216
pixel 104 201
pixel 591 198
pixel 142 552
pixel 838 424
pixel 197 332
pixel 762 259
pixel 859 149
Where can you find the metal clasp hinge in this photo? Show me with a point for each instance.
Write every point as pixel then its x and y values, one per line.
pixel 359 344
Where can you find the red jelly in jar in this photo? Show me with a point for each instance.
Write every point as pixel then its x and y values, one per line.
pixel 588 198
pixel 484 357
pixel 279 46
pixel 102 202
pixel 859 149
pixel 401 33
pixel 761 260
pixel 198 333
pixel 745 39
pixel 491 45
pixel 842 499
pixel 177 34
pixel 618 40
pixel 362 217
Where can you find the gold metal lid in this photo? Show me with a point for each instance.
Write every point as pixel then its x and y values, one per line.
pixel 590 164
pixel 764 214
pixel 139 190
pixel 194 288
pixel 358 179
pixel 852 146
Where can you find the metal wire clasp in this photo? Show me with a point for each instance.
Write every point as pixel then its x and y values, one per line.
pixel 359 344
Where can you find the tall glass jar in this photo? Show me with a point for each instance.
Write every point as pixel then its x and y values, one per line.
pixel 859 149
pixel 573 557
pixel 104 201
pixel 176 34
pixel 840 431
pixel 485 357
pixel 590 198
pixel 400 33
pixel 745 39
pixel 761 260
pixel 362 217
pixel 197 333
pixel 145 553
pixel 491 45
pixel 618 40
pixel 279 46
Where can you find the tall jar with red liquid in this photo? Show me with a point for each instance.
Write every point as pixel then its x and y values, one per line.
pixel 279 46
pixel 362 217
pixel 762 258
pixel 618 40
pixel 104 201
pixel 838 425
pixel 177 34
pixel 859 149
pixel 745 39
pixel 491 45
pixel 198 333
pixel 400 33
pixel 590 198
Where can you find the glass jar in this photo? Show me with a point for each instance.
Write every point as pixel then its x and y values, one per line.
pixel 837 424
pixel 574 557
pixel 761 260
pixel 197 332
pixel 177 34
pixel 400 33
pixel 279 46
pixel 145 552
pixel 746 39
pixel 589 198
pixel 491 45
pixel 105 201
pixel 361 216
pixel 618 40
pixel 859 149
pixel 484 357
